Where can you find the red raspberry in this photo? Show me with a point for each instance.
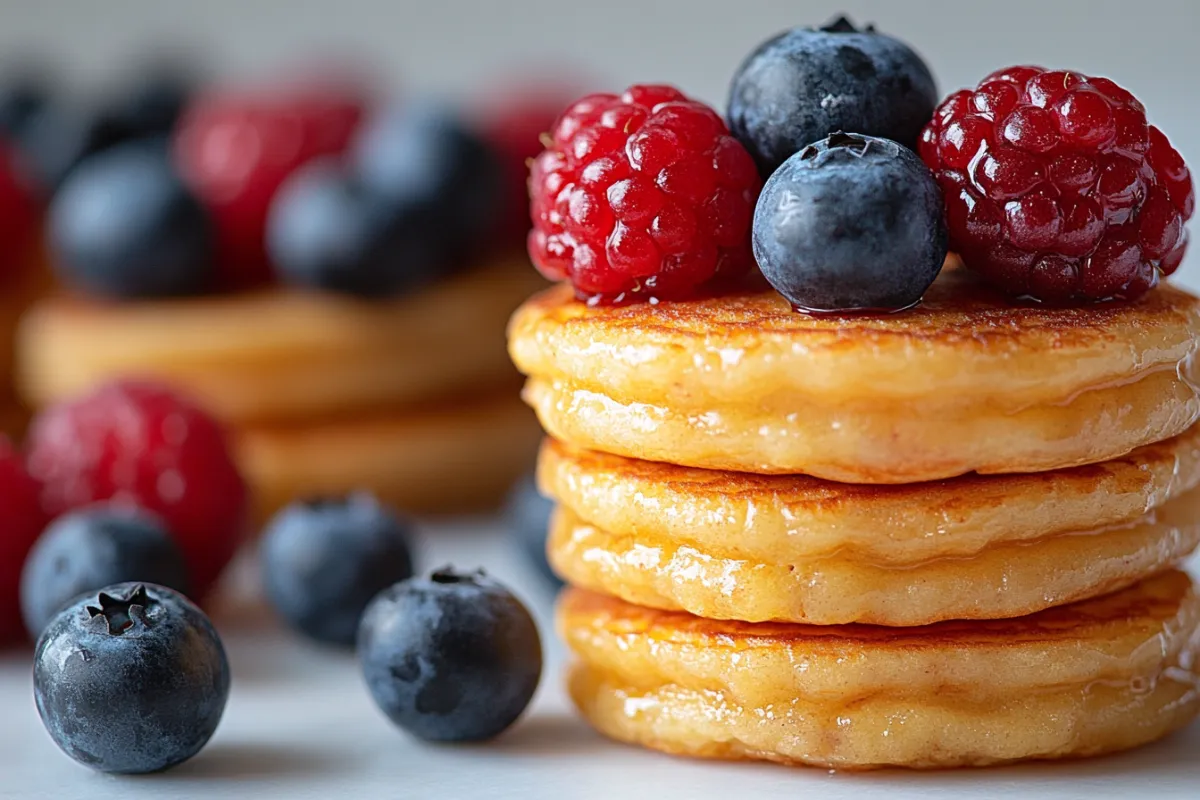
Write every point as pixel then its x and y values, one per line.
pixel 21 522
pixel 236 150
pixel 18 217
pixel 141 444
pixel 642 196
pixel 1056 188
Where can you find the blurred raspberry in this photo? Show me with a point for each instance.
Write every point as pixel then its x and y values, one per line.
pixel 513 122
pixel 236 149
pixel 19 214
pixel 142 444
pixel 21 522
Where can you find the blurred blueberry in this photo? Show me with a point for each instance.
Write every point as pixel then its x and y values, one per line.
pixel 527 518
pixel 86 550
pixel 323 561
pixel 125 225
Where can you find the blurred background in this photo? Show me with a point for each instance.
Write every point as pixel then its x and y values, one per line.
pixel 1148 46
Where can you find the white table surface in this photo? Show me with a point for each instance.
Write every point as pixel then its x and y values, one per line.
pixel 300 725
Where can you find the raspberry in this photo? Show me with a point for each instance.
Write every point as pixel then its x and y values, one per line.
pixel 1056 188
pixel 644 196
pixel 18 217
pixel 236 151
pixel 141 444
pixel 21 522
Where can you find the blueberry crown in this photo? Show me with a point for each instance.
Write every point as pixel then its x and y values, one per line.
pixel 118 612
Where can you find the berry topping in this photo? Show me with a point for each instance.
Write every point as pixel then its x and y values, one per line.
pixel 323 561
pixel 139 444
pixel 18 217
pixel 132 679
pixel 807 83
pixel 124 225
pixel 236 150
pixel 92 548
pixel 527 516
pixel 22 522
pixel 435 174
pixel 641 196
pixel 1056 188
pixel 450 658
pixel 418 197
pixel 851 223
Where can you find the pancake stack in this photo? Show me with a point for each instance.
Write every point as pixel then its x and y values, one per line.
pixel 941 537
pixel 410 397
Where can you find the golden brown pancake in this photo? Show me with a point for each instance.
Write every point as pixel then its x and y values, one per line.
pixel 965 382
pixel 795 517
pixel 1078 680
pixel 282 355
pixel 452 457
pixel 1000 581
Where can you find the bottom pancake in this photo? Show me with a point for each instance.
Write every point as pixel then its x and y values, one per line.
pixel 461 456
pixel 1078 680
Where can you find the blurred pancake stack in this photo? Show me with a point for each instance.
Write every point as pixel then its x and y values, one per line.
pixel 870 540
pixel 329 276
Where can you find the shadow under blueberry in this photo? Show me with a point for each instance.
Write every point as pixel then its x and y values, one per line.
pixel 555 734
pixel 244 761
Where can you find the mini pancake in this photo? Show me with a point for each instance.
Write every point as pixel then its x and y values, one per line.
pixel 1001 581
pixel 452 457
pixel 789 518
pixel 282 355
pixel 1078 680
pixel 967 381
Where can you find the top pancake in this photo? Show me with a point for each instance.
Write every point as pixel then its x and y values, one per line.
pixel 743 382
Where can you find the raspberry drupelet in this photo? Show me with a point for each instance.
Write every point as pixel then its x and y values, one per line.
pixel 642 196
pixel 1056 188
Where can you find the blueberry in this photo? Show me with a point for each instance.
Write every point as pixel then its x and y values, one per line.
pixel 323 561
pixel 86 550
pixel 61 134
pixel 527 517
pixel 22 96
pixel 151 104
pixel 440 177
pixel 131 679
pixel 805 84
pixel 326 230
pixel 125 225
pixel 851 223
pixel 450 658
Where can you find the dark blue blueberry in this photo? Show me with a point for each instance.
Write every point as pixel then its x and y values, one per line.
pixel 22 96
pixel 805 84
pixel 150 104
pixel 440 178
pixel 323 561
pixel 131 679
pixel 87 550
pixel 450 658
pixel 527 517
pixel 851 223
pixel 125 225
pixel 60 135
pixel 328 231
